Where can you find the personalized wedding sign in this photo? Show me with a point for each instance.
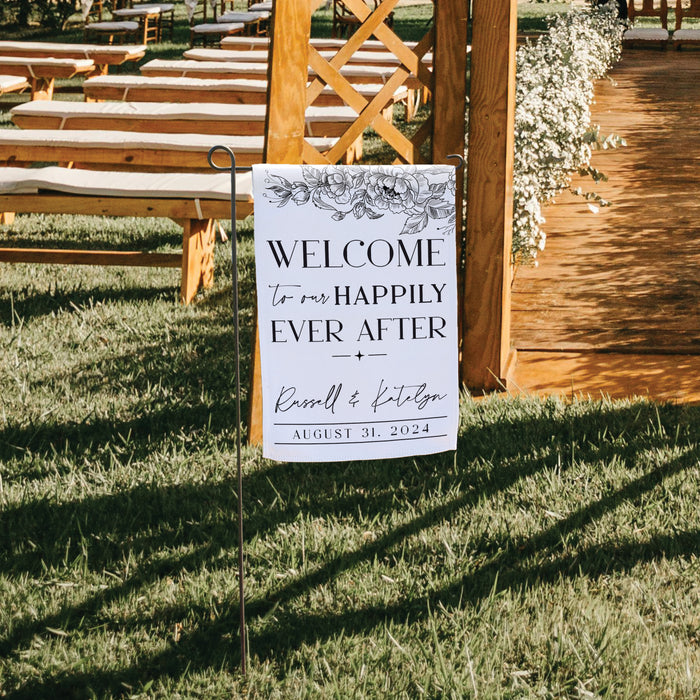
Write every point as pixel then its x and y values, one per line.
pixel 357 310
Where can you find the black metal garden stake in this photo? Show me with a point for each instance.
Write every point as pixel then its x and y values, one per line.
pixel 236 334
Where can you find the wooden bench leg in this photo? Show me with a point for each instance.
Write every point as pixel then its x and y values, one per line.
pixel 357 148
pixel 42 88
pixel 354 152
pixel 413 101
pixel 198 237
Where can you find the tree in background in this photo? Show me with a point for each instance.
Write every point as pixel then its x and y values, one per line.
pixel 51 14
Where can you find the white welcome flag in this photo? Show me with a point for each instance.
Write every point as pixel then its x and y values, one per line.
pixel 357 310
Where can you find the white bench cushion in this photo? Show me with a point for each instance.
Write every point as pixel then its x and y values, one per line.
pixel 373 57
pixel 156 82
pixel 217 28
pixel 141 11
pixel 162 6
pixel 260 55
pixel 55 49
pixel 260 41
pixel 125 26
pixel 242 17
pixel 75 63
pixel 254 56
pixel 12 82
pixel 119 184
pixel 686 35
pixel 125 82
pixel 117 140
pixel 183 67
pixel 645 34
pixel 261 7
pixel 166 110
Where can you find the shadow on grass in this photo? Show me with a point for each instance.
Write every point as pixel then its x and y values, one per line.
pixel 157 522
pixel 58 299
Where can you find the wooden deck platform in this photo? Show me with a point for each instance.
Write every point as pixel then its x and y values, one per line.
pixel 613 307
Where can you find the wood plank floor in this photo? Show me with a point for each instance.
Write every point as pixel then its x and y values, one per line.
pixel 614 304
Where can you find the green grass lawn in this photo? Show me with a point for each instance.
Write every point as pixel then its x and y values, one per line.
pixel 554 555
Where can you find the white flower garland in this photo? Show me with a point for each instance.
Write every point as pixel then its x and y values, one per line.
pixel 554 90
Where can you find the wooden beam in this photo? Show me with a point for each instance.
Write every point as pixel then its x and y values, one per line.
pixel 449 102
pixel 449 78
pixel 486 351
pixel 288 69
pixel 61 256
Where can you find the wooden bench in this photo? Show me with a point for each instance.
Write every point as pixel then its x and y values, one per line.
pixel 136 88
pixel 128 150
pixel 353 73
pixel 368 58
pixel 103 56
pixel 110 30
pixel 247 43
pixel 42 72
pixel 163 117
pixel 12 83
pixel 194 200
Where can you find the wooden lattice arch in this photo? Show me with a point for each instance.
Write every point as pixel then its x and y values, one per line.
pixel 412 72
pixel 485 313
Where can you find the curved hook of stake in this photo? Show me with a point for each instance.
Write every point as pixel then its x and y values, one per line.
pixel 225 149
pixel 232 169
pixel 460 159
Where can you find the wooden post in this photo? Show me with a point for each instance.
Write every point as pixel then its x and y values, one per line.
pixel 198 238
pixel 486 353
pixel 450 78
pixel 288 70
pixel 449 101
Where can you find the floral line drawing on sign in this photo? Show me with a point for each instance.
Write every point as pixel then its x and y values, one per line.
pixel 372 193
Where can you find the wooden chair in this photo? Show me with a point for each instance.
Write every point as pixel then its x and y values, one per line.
pixel 111 31
pixel 686 37
pixel 255 23
pixel 646 37
pixel 648 8
pixel 204 26
pixel 147 15
pixel 166 19
pixel 346 22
